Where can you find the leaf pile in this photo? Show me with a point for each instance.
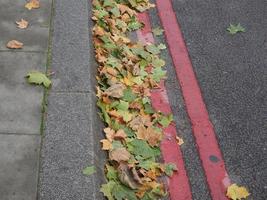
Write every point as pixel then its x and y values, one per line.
pixel 127 72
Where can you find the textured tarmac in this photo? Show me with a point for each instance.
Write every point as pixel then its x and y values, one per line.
pixel 232 74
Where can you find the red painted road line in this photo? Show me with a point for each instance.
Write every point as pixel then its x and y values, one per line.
pixel 178 184
pixel 203 130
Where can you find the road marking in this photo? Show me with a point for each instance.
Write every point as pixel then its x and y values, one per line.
pixel 209 151
pixel 178 185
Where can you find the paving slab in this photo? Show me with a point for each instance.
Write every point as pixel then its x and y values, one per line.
pixel 19 166
pixel 69 145
pixel 232 75
pixel 71 46
pixel 35 37
pixel 21 103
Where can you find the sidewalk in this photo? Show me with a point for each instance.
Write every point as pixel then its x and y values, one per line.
pixel 20 102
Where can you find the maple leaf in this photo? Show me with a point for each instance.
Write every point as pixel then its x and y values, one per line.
pixel 236 192
pixel 127 177
pixel 89 170
pixel 115 90
pixel 179 141
pixel 128 95
pixel 122 192
pixel 106 189
pixel 152 48
pixel 106 144
pixel 119 154
pixel 14 44
pixel 233 29
pixel 22 24
pixel 32 4
pixel 157 31
pixel 169 168
pixel 150 135
pixel 38 78
pixel 157 62
pixel 166 120
pixel 158 74
pixel 112 173
pixel 123 105
pixel 126 115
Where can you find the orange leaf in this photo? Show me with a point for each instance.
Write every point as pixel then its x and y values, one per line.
pixel 14 44
pixel 22 24
pixel 32 4
pixel 106 144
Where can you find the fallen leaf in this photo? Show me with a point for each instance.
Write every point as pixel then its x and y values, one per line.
pixel 149 134
pixel 157 31
pixel 14 44
pixel 169 168
pixel 120 135
pixel 107 189
pixel 89 170
pixel 126 176
pixel 22 24
pixel 179 140
pixel 32 4
pixel 109 134
pixel 106 144
pixel 236 192
pixel 115 90
pixel 38 78
pixel 233 29
pixel 120 154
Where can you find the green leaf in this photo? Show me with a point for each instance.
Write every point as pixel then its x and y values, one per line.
pixel 128 95
pixel 157 31
pixel 141 148
pixel 89 170
pixel 169 168
pixel 104 114
pixel 233 29
pixel 123 105
pixel 121 192
pixel 157 62
pixel 146 100
pixel 149 109
pixel 166 120
pixel 112 174
pixel 134 24
pixel 126 115
pixel 115 11
pixel 147 164
pixel 162 46
pixel 158 74
pixel 38 78
pixel 153 49
pixel 106 189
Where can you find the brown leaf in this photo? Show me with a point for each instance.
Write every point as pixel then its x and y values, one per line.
pixel 136 123
pixel 116 90
pixel 127 176
pixel 109 134
pixel 120 135
pixel 149 134
pixel 14 44
pixel 22 24
pixel 119 154
pixel 106 144
pixel 32 4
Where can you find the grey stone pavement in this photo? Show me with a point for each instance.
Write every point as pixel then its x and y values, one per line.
pixel 21 103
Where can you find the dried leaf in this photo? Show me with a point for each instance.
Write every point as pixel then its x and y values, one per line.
pixel 14 44
pixel 179 140
pixel 106 144
pixel 236 192
pixel 120 154
pixel 115 90
pixel 32 4
pixel 22 24
pixel 126 176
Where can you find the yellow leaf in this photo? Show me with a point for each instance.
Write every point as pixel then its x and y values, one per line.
pixel 235 192
pixel 14 44
pixel 32 4
pixel 106 144
pixel 22 24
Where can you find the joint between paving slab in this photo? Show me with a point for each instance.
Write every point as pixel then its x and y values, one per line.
pixel 22 51
pixel 71 92
pixel 9 133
